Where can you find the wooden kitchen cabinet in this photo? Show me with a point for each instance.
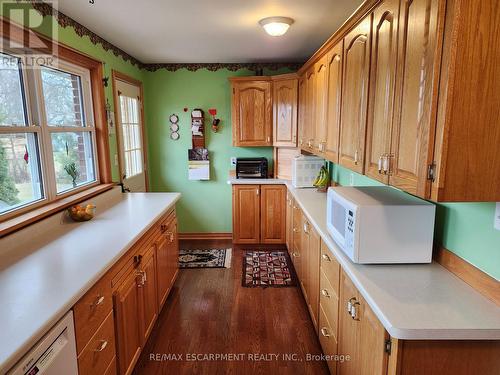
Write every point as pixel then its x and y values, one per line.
pixel 128 335
pixel 259 214
pixel 273 214
pixel 148 296
pixel 167 259
pixel 303 110
pixel 308 120
pixel 289 222
pixel 333 103
pixel 297 240
pixel 320 105
pixel 313 263
pixel 285 102
pixel 382 90
pixel 355 96
pixel 252 111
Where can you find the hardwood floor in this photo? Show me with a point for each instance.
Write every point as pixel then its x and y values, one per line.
pixel 209 312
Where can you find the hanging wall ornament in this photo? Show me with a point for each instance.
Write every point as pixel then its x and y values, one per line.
pixel 174 127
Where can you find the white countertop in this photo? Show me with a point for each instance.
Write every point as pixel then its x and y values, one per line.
pixel 412 301
pixel 38 289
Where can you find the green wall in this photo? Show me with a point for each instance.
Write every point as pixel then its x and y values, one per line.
pixel 463 228
pixel 83 44
pixel 205 205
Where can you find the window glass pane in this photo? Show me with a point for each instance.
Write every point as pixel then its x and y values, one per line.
pixel 12 104
pixel 20 182
pixel 62 94
pixel 131 135
pixel 73 159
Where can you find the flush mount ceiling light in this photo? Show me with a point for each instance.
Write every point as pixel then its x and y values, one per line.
pixel 276 26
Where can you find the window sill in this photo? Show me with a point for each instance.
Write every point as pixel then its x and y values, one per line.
pixel 23 220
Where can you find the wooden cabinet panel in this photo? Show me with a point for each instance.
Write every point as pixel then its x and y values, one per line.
pixel 302 115
pixel 111 370
pixel 289 222
pixel 126 304
pixel 304 258
pixel 333 104
pixel 273 214
pixel 148 296
pixel 331 267
pixel 285 95
pixel 246 214
pixel 328 340
pixel 173 252
pixel 355 96
pixel 320 104
pixel 162 267
pixel 314 274
pixel 100 350
pixel 382 84
pixel 310 121
pixel 349 332
pixel 416 82
pixel 252 113
pixel 91 310
pixel 297 240
pixel 329 302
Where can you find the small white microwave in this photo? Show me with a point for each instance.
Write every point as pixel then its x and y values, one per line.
pixel 379 224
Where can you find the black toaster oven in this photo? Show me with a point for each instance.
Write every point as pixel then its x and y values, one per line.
pixel 251 168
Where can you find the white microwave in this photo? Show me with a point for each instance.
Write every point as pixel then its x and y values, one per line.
pixel 379 224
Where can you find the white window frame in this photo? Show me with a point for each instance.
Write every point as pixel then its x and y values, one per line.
pixel 36 122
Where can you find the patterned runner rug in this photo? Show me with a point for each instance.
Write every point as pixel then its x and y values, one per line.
pixel 205 258
pixel 267 269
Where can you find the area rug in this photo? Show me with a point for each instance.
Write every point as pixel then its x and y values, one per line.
pixel 205 258
pixel 267 269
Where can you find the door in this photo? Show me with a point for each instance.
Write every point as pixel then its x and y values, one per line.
pixel 416 82
pixel 320 97
pixel 148 295
pixel 130 133
pixel 273 214
pixel 246 214
pixel 252 113
pixel 302 115
pixel 310 121
pixel 334 66
pixel 314 274
pixel 355 96
pixel 285 94
pixel 126 304
pixel 382 84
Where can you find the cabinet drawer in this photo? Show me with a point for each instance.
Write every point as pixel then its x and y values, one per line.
pixel 111 370
pixel 100 351
pixel 329 302
pixel 91 310
pixel 132 260
pixel 328 341
pixel 331 268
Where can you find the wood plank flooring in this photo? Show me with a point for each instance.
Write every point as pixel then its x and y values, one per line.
pixel 210 313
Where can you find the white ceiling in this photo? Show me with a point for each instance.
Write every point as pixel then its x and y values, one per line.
pixel 210 31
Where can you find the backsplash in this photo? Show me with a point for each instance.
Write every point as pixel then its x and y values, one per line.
pixel 466 229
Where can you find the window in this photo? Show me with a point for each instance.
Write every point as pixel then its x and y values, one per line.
pixel 47 134
pixel 131 135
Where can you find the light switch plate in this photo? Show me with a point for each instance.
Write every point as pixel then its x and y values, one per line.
pixel 497 217
pixel 233 161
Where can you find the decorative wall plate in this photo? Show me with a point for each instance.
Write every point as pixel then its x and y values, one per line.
pixel 174 136
pixel 174 119
pixel 174 127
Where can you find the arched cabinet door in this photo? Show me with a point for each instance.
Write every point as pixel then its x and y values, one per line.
pixel 334 96
pixel 355 96
pixel 285 112
pixel 320 98
pixel 382 89
pixel 416 82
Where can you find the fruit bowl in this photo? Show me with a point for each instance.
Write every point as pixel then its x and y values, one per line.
pixel 81 213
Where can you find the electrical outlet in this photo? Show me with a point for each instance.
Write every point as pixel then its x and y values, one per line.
pixel 233 161
pixel 351 179
pixel 497 217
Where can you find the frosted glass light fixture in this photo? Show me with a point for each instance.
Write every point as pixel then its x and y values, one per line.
pixel 276 26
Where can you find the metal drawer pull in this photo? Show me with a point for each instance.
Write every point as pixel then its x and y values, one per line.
pixel 324 332
pixel 350 305
pixel 326 257
pixel 101 347
pixel 354 310
pixel 325 293
pixel 98 301
pixel 380 164
pixel 295 230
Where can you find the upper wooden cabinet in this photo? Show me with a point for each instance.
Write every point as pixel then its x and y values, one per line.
pixel 382 89
pixel 285 101
pixel 320 104
pixel 303 110
pixel 355 96
pixel 333 102
pixel 308 124
pixel 251 111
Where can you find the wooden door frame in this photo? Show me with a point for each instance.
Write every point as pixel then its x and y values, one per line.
pixel 119 76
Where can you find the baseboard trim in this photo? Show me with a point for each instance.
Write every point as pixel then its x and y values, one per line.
pixel 480 281
pixel 205 236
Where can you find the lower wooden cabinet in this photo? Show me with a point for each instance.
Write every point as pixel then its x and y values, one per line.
pixel 148 305
pixel 167 255
pixel 259 214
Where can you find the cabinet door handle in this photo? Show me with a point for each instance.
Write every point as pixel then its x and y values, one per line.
pixel 99 300
pixel 295 230
pixel 350 304
pixel 386 163
pixel 163 228
pixel 356 154
pixel 380 164
pixel 325 293
pixel 258 192
pixel 268 139
pixel 306 227
pixel 324 332
pixel 326 257
pixel 102 346
pixel 354 310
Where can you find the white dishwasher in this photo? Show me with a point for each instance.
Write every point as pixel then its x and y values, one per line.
pixel 54 354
